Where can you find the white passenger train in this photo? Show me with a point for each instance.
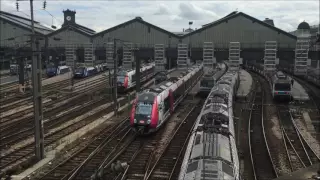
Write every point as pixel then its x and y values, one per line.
pixel 212 152
pixel 210 78
pixel 126 79
pixel 281 86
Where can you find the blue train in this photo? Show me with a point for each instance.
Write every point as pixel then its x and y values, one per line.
pixel 83 71
pixel 54 71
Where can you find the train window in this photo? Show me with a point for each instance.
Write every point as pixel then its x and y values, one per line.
pixel 166 104
pixel 144 109
pixel 79 70
pixel 120 79
pixel 192 167
pixel 282 87
pixel 227 169
pixel 198 138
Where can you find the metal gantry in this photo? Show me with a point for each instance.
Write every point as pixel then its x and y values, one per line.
pixel 159 57
pixel 208 55
pixel 234 55
pixel 88 54
pixel 70 55
pixel 127 55
pixel 182 61
pixel 110 54
pixel 270 56
pixel 301 56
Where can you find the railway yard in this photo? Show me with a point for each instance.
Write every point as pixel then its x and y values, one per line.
pixel 83 139
pixel 156 112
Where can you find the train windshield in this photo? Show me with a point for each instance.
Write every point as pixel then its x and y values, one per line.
pixel 79 70
pixel 120 79
pixel 143 109
pixel 282 87
pixel 207 83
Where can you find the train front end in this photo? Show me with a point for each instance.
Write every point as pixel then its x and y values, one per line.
pixel 51 71
pixel 282 91
pixel 122 82
pixel 144 113
pixel 80 72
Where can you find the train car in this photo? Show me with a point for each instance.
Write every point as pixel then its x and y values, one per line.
pixel 82 72
pixel 54 71
pixel 210 79
pixel 211 152
pixel 160 77
pixel 14 68
pixel 153 106
pixel 126 78
pixel 281 86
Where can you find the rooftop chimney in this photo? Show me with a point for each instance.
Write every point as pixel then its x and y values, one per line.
pixel 269 21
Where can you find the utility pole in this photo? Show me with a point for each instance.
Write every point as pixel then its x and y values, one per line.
pixel 37 97
pixel 137 71
pixel 20 72
pixel 114 92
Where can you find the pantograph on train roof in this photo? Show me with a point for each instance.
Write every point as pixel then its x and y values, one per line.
pixel 217 98
pixel 214 123
pixel 209 169
pixel 220 90
pixel 211 146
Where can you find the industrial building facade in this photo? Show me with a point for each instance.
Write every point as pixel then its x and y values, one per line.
pixel 235 27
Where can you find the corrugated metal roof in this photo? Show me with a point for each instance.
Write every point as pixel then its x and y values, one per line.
pixel 80 28
pixel 234 15
pixel 25 23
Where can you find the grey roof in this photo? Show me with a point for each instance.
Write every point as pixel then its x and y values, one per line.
pixel 81 28
pixel 304 25
pixel 25 23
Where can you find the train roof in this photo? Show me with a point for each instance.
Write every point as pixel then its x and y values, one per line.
pixel 211 158
pixel 133 71
pixel 173 77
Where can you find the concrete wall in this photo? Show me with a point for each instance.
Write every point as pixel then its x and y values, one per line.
pixel 138 33
pixel 239 29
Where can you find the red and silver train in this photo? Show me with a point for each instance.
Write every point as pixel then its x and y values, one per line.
pixel 153 106
pixel 126 78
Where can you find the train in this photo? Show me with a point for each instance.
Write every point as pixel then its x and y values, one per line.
pixel 51 70
pixel 211 152
pixel 280 83
pixel 152 107
pixel 281 86
pixel 210 78
pixel 14 68
pixel 86 71
pixel 126 78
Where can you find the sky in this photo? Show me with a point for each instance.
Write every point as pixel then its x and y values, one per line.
pixel 170 15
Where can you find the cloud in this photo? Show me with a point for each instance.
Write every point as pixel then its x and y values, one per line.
pixel 170 15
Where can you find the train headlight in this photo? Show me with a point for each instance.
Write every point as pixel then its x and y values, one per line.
pixel 149 121
pixel 135 120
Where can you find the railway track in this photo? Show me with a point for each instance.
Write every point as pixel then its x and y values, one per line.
pixel 53 118
pixel 99 148
pixel 262 164
pixel 49 90
pixel 167 166
pixel 299 153
pixel 9 126
pixel 142 153
pixel 10 161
